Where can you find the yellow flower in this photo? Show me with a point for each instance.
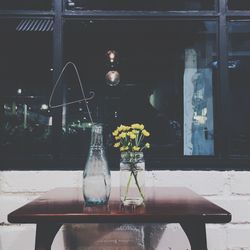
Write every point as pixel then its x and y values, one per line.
pixel 145 133
pixel 127 128
pixel 132 136
pixel 123 148
pixel 123 135
pixel 135 148
pixel 135 131
pixel 136 126
pixel 117 145
pixel 120 128
pixel 115 133
pixel 141 127
pixel 123 128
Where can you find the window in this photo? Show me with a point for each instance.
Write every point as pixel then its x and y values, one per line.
pixel 168 5
pixel 238 5
pixel 239 63
pixel 166 79
pixel 25 78
pixel 25 5
pixel 177 66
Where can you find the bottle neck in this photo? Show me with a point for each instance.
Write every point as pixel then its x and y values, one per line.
pixel 96 136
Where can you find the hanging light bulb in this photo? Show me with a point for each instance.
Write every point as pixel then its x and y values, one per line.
pixel 112 78
pixel 44 107
pixel 112 56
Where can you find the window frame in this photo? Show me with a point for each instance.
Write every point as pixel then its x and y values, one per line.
pixel 220 161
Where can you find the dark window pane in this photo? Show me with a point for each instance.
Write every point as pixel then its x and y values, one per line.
pixel 238 5
pixel 239 56
pixel 140 5
pixel 25 5
pixel 158 66
pixel 25 80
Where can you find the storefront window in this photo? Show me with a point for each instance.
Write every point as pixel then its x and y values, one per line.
pixel 25 81
pixel 167 5
pixel 238 5
pixel 162 75
pixel 25 5
pixel 239 62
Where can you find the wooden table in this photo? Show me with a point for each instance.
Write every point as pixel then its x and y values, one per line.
pixel 163 205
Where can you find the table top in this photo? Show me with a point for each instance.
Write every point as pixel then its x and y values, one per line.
pixel 162 205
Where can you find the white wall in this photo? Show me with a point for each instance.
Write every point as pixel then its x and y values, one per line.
pixel 231 190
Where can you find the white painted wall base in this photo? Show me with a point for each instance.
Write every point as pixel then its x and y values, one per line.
pixel 229 189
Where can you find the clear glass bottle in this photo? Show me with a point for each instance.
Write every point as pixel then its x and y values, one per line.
pixel 132 178
pixel 96 177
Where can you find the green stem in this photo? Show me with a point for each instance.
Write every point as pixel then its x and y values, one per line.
pixel 140 139
pixel 128 184
pixel 137 184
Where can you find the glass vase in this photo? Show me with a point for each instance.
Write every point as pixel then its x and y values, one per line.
pixel 96 176
pixel 132 178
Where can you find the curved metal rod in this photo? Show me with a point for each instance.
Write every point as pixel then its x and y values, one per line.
pixel 85 99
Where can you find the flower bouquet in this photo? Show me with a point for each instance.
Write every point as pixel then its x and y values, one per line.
pixel 130 140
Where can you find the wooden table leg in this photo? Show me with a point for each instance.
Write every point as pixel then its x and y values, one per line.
pixel 196 233
pixel 45 234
